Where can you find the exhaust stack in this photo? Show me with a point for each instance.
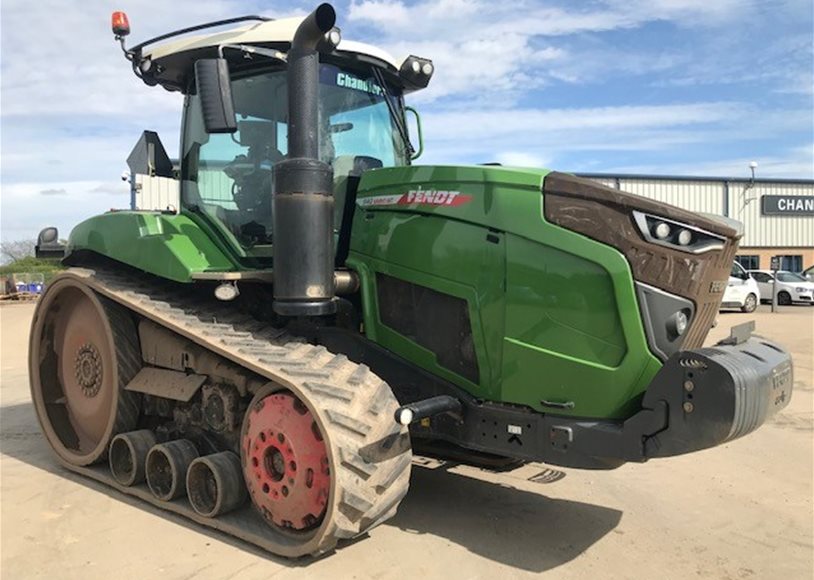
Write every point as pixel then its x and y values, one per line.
pixel 302 201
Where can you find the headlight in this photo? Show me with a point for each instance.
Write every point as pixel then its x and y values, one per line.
pixel 662 230
pixel 666 318
pixel 677 235
pixel 800 290
pixel 416 72
pixel 677 323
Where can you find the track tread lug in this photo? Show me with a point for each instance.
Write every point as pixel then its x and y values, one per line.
pixel 354 504
pixel 356 464
pixel 359 375
pixel 348 423
pixel 331 391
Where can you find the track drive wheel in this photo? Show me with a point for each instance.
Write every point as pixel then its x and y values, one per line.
pixel 323 463
pixel 83 350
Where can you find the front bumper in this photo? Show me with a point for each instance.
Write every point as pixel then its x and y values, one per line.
pixel 699 399
pixel 714 395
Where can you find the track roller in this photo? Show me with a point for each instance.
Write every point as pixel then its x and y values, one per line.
pixel 215 484
pixel 128 455
pixel 166 467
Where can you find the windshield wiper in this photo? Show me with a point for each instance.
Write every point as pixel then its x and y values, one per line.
pixel 394 116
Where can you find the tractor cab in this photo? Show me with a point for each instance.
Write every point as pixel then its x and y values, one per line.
pixel 226 174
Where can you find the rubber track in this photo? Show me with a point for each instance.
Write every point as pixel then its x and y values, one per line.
pixel 370 454
pixel 128 361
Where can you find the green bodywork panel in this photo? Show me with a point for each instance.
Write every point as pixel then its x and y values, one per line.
pixel 172 246
pixel 554 315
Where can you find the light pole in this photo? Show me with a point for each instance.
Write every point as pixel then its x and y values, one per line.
pixel 749 186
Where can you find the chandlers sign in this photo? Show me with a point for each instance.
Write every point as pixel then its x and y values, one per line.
pixel 787 205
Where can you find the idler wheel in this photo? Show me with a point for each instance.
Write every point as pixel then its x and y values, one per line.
pixel 83 351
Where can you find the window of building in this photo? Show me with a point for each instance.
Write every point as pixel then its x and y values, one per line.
pixel 748 262
pixel 791 263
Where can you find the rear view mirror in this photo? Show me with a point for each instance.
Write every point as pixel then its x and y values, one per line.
pixel 215 93
pixel 48 245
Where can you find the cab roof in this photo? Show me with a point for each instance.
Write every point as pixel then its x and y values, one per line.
pixel 172 61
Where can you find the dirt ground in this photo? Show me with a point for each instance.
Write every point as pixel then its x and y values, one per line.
pixel 740 511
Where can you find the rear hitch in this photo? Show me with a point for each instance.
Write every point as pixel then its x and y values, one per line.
pixel 413 412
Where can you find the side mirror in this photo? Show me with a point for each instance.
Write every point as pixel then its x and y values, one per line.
pixel 48 245
pixel 215 93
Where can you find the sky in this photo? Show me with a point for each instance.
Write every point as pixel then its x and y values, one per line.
pixel 691 87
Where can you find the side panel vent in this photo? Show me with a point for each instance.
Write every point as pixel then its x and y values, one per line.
pixel 437 321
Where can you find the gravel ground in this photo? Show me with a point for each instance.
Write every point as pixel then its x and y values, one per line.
pixel 743 510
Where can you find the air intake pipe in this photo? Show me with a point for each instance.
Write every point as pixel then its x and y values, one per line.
pixel 303 203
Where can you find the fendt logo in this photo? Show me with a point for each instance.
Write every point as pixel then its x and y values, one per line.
pixel 418 197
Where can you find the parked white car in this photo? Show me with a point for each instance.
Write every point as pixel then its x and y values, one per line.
pixel 791 287
pixel 742 290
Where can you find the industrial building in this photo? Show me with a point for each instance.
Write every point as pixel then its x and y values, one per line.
pixel 777 214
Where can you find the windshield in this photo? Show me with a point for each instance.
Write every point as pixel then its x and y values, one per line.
pixel 790 277
pixel 228 176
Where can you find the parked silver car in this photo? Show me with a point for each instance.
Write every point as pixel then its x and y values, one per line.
pixel 791 287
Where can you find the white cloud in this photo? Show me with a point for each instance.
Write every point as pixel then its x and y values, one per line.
pixel 380 12
pixel 480 45
pixel 796 162
pixel 693 11
pixel 553 136
pixel 26 212
pixel 521 159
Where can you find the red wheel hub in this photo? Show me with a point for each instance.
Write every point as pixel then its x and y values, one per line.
pixel 286 462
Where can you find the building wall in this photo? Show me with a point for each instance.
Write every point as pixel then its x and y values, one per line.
pixel 763 231
pixel 698 196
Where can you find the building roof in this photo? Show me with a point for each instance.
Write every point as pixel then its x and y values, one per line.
pixel 695 178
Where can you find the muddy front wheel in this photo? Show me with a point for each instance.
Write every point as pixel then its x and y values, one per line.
pixel 83 350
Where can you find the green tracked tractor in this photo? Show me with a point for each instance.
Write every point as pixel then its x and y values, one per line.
pixel 266 356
